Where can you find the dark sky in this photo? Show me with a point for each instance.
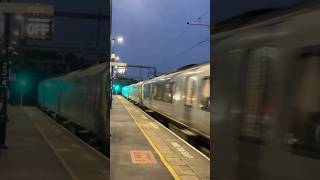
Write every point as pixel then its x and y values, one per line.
pixel 153 32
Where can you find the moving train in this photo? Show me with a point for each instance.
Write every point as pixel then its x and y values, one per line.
pixel 182 96
pixel 82 99
pixel 266 111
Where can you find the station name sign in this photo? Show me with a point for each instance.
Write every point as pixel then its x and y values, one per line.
pixel 38 28
pixel 26 8
pixel 38 21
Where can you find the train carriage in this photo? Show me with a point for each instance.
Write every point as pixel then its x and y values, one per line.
pixel 266 86
pixel 183 96
pixel 81 97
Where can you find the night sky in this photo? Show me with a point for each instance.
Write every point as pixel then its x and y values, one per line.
pixel 153 32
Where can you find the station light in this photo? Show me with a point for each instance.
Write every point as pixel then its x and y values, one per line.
pixel 113 56
pixel 120 39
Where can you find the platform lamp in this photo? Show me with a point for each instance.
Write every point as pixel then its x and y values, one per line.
pixel 114 41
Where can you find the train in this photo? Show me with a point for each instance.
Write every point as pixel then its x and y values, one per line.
pixel 82 99
pixel 266 86
pixel 183 96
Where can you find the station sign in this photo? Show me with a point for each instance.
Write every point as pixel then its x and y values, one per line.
pixel 38 28
pixel 26 8
pixel 118 68
pixel 118 64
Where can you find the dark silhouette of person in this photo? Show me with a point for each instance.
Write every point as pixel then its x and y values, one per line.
pixel 3 126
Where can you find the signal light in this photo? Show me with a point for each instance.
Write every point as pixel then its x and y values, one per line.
pixel 116 88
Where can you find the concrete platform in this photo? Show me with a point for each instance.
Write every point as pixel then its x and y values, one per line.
pixel 41 149
pixel 132 129
pixel 125 139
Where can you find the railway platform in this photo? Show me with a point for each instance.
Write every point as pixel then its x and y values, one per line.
pixel 40 149
pixel 142 148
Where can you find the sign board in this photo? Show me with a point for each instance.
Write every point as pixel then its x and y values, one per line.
pixel 26 8
pixel 37 28
pixel 142 157
pixel 118 64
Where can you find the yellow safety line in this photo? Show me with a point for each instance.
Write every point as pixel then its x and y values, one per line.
pixel 65 165
pixel 165 162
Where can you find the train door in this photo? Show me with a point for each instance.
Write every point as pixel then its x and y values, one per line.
pixel 304 138
pixel 253 121
pixel 146 94
pixel 203 115
pixel 141 93
pixel 190 98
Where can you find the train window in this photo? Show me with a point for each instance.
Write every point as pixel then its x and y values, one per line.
pixel 255 94
pixel 205 94
pixel 305 134
pixel 154 91
pixel 159 91
pixel 190 92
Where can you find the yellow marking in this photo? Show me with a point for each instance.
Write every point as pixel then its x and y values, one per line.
pixel 65 165
pixel 165 162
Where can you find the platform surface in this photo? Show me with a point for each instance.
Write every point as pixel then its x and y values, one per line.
pixel 126 141
pixel 41 149
pixel 134 129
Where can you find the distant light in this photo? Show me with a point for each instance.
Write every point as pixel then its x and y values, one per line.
pixel 113 56
pixel 117 58
pixel 120 39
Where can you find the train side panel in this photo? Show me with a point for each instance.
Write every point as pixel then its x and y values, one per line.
pixel 266 109
pixel 48 94
pixel 83 99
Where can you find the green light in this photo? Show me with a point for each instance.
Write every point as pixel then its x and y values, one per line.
pixel 22 83
pixel 125 91
pixel 116 87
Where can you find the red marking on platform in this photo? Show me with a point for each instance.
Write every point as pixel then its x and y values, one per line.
pixel 142 157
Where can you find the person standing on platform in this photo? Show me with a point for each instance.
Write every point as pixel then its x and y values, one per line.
pixel 3 124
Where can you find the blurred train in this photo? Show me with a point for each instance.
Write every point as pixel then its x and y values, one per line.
pixel 266 112
pixel 81 99
pixel 182 96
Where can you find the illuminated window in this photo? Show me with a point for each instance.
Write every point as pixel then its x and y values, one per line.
pixel 205 94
